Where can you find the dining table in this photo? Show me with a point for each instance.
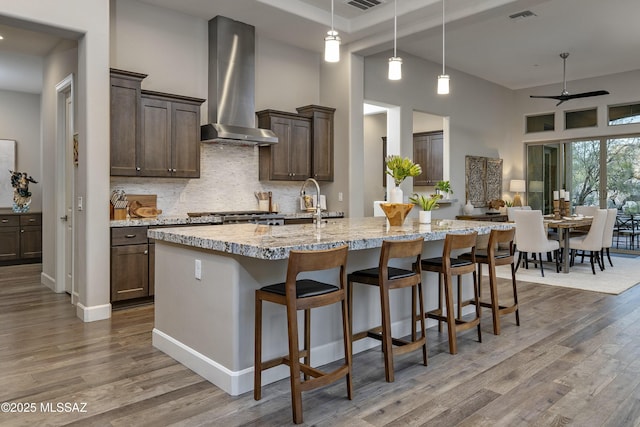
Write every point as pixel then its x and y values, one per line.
pixel 564 226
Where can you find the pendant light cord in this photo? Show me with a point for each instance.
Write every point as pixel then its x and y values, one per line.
pixel 443 37
pixel 395 26
pixel 332 17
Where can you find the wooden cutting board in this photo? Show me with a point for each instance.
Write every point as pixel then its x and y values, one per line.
pixel 145 205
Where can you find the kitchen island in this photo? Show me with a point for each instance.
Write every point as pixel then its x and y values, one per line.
pixel 206 277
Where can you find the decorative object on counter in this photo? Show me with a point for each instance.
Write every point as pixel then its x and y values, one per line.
pixel 118 206
pixel 396 212
pixel 399 169
pixel 427 204
pixel 21 194
pixel 495 205
pixel 517 186
pixel 468 208
pixel 444 189
pixel 264 200
pixel 136 210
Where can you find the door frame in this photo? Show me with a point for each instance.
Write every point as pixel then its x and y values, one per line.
pixel 64 166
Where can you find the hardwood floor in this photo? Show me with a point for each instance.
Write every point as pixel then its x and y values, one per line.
pixel 575 360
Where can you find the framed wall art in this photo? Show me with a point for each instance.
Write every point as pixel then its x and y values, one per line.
pixel 483 180
pixel 7 163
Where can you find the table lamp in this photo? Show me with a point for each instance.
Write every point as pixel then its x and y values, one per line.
pixel 517 186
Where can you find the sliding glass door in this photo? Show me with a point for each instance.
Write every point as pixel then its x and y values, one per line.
pixel 603 172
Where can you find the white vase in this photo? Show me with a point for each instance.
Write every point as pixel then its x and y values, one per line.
pixel 468 208
pixel 424 217
pixel 396 195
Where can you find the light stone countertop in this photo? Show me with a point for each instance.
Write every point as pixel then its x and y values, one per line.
pixel 210 219
pixel 275 242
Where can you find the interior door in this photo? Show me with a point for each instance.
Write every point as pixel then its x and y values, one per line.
pixel 68 197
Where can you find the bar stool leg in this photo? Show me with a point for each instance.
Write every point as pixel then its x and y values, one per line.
pixel 423 322
pixel 493 289
pixel 440 308
pixel 257 369
pixel 386 334
pixel 476 294
pixel 348 350
pixel 307 339
pixel 294 364
pixel 451 321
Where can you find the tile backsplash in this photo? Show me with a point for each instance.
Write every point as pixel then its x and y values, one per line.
pixel 228 180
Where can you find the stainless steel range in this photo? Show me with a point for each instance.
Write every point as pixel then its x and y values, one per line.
pixel 240 217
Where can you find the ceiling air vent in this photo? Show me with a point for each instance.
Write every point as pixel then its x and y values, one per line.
pixel 363 4
pixel 522 15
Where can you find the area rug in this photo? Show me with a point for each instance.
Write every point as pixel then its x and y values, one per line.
pixel 624 274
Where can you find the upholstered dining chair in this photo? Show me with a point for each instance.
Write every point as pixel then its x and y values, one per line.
pixel 531 238
pixel 607 235
pixel 512 209
pixel 592 241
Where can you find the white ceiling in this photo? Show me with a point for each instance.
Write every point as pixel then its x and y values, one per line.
pixel 603 37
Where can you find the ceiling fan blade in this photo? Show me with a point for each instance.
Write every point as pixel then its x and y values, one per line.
pixel 587 94
pixel 548 97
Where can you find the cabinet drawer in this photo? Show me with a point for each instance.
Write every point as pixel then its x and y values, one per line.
pixel 128 236
pixel 9 220
pixel 31 219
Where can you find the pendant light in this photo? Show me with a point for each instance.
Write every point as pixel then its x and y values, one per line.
pixel 332 43
pixel 395 62
pixel 443 79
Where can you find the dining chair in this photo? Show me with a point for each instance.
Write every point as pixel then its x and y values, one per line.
pixel 607 236
pixel 592 241
pixel 512 209
pixel 304 294
pixel 531 238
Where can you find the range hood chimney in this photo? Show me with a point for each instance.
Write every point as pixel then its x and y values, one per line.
pixel 232 86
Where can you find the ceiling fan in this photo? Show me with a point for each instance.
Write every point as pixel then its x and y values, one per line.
pixel 565 96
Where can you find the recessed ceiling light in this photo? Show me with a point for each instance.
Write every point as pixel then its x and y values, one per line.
pixel 1 38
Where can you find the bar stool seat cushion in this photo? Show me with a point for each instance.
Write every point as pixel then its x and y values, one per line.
pixel 483 253
pixel 304 288
pixel 393 273
pixel 437 262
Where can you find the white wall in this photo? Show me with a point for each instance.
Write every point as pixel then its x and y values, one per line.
pixel 480 115
pixel 20 121
pixel 286 77
pixel 89 20
pixel 375 127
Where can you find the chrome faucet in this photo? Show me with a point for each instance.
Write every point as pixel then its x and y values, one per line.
pixel 318 213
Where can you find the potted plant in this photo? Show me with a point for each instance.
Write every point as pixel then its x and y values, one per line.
pixel 444 187
pixel 399 169
pixel 427 204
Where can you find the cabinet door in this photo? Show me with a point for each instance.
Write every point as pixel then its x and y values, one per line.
pixel 427 151
pixel 323 147
pixel 280 153
pixel 185 148
pixel 31 242
pixel 300 150
pixel 435 158
pixel 124 126
pixel 129 272
pixel 155 143
pixel 9 243
pixel 321 140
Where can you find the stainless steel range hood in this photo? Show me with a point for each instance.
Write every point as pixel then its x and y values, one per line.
pixel 232 85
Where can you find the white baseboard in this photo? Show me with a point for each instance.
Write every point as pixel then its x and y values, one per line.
pixel 239 382
pixel 48 281
pixel 91 314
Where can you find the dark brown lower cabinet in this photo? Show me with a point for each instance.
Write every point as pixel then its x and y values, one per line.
pixel 129 263
pixel 20 238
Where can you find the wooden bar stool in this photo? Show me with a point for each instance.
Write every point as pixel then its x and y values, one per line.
pixel 500 251
pixel 387 278
pixel 447 267
pixel 304 294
